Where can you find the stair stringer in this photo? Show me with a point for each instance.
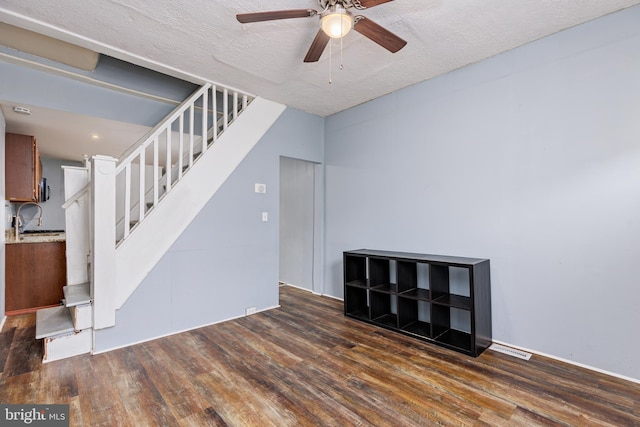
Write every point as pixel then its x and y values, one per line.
pixel 147 244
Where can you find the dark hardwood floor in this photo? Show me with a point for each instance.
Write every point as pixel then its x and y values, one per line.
pixel 306 364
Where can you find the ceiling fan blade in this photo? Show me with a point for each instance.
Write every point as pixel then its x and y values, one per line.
pixel 378 34
pixel 370 3
pixel 275 14
pixel 317 47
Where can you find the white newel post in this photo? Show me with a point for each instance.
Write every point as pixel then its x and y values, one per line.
pixel 103 243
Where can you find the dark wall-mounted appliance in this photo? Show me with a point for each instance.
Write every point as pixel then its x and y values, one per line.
pixel 45 190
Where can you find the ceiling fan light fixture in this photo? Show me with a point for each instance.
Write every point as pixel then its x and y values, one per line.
pixel 336 22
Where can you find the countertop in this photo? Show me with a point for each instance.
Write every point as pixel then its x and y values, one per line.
pixel 35 238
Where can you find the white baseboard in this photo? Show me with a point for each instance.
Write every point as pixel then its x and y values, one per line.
pixel 178 332
pixel 298 287
pixel 333 297
pixel 309 290
pixel 570 362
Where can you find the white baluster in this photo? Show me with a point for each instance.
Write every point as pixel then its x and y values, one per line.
pixel 155 171
pixel 214 101
pixel 142 203
pixel 168 161
pixel 191 125
pixel 235 105
pixel 245 102
pixel 127 199
pixel 205 113
pixel 180 146
pixel 225 107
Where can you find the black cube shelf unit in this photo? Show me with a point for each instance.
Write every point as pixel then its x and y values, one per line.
pixel 441 299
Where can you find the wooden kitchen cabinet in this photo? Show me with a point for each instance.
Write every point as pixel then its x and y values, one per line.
pixel 23 168
pixel 35 275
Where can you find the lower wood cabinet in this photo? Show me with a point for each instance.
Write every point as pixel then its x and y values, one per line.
pixel 441 299
pixel 35 275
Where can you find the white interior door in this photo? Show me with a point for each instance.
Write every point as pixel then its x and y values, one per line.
pixel 297 182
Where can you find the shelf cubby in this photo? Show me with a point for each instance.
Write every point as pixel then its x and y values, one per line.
pixel 440 299
pixel 407 275
pixel 355 271
pixel 383 308
pixel 356 302
pixel 414 316
pixel 455 339
pixel 379 272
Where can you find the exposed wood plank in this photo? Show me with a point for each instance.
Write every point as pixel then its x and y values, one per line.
pixel 58 381
pixel 208 418
pixel 130 381
pixel 265 372
pixel 524 417
pixel 99 401
pixel 180 396
pixel 6 338
pixel 257 399
pixel 306 364
pixel 25 353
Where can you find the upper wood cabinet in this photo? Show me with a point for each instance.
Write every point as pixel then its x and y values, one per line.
pixel 23 168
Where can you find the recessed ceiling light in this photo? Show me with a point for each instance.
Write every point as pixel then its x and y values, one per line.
pixel 95 136
pixel 22 110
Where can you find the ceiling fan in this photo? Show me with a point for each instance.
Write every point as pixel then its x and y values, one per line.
pixel 335 22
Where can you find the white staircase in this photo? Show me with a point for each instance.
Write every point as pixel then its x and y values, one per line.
pixel 132 210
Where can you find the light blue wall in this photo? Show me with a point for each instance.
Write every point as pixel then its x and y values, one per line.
pixel 52 212
pixel 227 259
pixel 530 159
pixel 34 87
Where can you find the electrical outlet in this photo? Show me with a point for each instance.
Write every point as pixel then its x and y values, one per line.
pixel 250 310
pixel 261 188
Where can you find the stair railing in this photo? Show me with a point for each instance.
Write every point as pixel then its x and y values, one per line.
pixel 151 168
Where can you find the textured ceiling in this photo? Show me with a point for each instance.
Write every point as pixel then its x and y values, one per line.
pixel 201 39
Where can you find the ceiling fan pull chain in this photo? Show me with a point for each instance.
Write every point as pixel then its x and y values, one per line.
pixel 330 43
pixel 341 63
pixel 341 38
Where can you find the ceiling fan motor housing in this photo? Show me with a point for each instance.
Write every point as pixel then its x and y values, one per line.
pixel 346 4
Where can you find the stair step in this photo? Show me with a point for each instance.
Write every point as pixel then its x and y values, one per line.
pixel 53 321
pixel 77 294
pixel 67 345
pixel 82 316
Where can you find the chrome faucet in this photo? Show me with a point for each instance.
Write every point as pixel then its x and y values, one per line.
pixel 18 221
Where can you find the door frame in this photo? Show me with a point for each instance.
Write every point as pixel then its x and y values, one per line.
pixel 317 275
